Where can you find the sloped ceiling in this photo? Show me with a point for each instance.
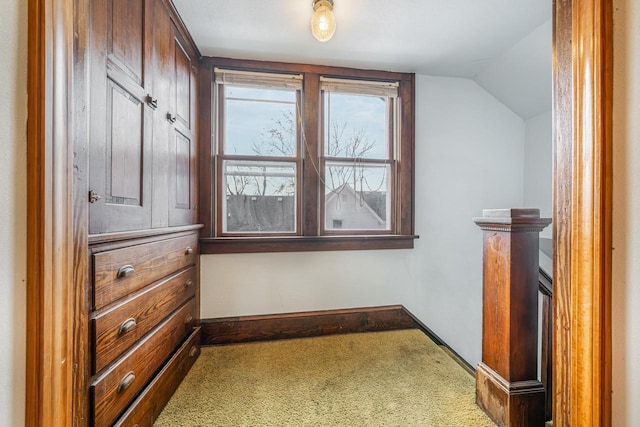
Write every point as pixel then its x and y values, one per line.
pixel 485 40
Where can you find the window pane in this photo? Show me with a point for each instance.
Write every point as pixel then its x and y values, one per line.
pixel 357 196
pixel 355 126
pixel 260 121
pixel 260 197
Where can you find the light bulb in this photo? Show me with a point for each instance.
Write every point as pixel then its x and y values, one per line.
pixel 323 22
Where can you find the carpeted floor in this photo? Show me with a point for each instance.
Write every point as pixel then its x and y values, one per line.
pixel 398 378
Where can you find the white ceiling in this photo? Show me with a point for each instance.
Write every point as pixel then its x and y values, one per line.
pixel 458 38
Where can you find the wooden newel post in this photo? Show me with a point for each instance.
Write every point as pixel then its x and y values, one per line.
pixel 507 388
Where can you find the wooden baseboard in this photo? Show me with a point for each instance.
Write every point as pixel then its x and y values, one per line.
pixel 435 338
pixel 233 330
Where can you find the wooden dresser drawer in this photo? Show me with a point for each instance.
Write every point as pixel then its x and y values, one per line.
pixel 117 329
pixel 119 272
pixel 146 408
pixel 112 391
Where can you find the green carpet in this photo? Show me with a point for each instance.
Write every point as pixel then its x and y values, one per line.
pixel 397 378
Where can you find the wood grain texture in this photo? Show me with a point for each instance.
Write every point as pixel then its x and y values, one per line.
pixel 562 186
pixel 310 153
pixel 81 276
pixel 582 212
pixel 308 324
pixel 50 287
pixel 304 68
pixel 146 309
pixel 222 245
pixel 150 262
pixel 146 408
pixel 405 185
pixel 108 398
pixel 206 164
pixel 121 121
pixel 507 388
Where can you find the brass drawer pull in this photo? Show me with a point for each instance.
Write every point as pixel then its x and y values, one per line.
pixel 188 283
pixel 127 325
pixel 188 251
pixel 193 351
pixel 126 381
pixel 125 270
pixel 188 319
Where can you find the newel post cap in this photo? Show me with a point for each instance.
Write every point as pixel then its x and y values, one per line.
pixel 514 219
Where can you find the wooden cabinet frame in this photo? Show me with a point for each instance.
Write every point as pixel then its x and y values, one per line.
pixel 56 223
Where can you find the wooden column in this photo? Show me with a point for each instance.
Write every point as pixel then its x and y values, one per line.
pixel 507 388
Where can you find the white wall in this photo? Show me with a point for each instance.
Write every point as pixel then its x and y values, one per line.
pixel 626 220
pixel 521 76
pixel 13 67
pixel 469 150
pixel 538 171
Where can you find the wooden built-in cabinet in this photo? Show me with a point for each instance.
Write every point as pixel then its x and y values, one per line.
pixel 142 120
pixel 143 308
pixel 141 315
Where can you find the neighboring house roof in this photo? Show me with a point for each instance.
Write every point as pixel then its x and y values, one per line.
pixel 260 213
pixel 358 203
pixel 245 213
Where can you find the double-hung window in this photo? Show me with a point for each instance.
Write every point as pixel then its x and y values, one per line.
pixel 258 158
pixel 307 158
pixel 358 163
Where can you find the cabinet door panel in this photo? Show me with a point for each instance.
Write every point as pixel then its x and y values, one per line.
pixel 183 85
pixel 126 36
pixel 183 172
pixel 183 168
pixel 162 128
pixel 125 139
pixel 119 119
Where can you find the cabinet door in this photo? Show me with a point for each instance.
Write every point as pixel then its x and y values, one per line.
pixel 163 60
pixel 120 119
pixel 182 144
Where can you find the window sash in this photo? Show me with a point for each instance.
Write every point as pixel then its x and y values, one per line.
pixel 221 193
pixel 390 190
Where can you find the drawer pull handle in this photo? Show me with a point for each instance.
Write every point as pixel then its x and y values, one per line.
pixel 126 381
pixel 127 325
pixel 193 351
pixel 188 319
pixel 188 283
pixel 125 270
pixel 188 251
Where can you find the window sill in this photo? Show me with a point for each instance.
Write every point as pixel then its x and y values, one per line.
pixel 229 245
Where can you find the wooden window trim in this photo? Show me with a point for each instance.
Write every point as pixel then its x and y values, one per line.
pixel 311 235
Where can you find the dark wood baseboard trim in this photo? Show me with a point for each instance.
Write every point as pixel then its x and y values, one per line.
pixel 436 339
pixel 232 330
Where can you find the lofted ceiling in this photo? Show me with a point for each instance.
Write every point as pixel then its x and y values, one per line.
pixel 490 41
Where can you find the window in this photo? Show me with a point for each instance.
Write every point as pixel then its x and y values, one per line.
pixel 358 163
pixel 258 154
pixel 307 158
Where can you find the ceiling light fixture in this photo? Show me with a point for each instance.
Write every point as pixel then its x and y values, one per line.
pixel 323 23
